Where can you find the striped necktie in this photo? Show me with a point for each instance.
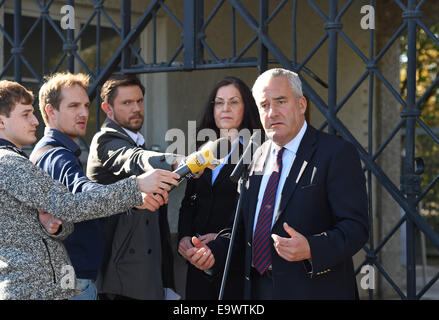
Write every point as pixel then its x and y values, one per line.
pixel 261 238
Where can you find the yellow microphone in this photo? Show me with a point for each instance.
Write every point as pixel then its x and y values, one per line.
pixel 194 163
pixel 220 148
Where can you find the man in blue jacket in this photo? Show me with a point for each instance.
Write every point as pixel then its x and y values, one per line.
pixel 64 105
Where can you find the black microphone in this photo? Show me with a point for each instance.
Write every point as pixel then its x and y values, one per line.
pixel 247 155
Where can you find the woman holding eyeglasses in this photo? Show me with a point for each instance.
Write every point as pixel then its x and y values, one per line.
pixel 210 201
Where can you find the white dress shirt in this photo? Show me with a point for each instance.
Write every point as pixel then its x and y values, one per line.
pixel 287 162
pixel 137 137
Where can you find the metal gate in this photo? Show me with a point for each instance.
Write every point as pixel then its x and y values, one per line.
pixel 198 55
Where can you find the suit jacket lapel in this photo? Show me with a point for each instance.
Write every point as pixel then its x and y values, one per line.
pixel 223 174
pixel 207 177
pixel 304 154
pixel 110 126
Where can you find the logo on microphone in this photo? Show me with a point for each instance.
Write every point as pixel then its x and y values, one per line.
pixel 199 160
pixel 182 143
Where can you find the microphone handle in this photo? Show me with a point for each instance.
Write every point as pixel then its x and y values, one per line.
pixel 182 171
pixel 236 173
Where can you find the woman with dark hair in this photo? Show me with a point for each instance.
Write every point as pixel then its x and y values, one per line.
pixel 210 201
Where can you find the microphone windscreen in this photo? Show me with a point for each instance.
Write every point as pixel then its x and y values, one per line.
pixel 220 148
pixel 199 160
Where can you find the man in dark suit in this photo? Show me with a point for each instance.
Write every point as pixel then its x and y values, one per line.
pixel 304 208
pixel 137 260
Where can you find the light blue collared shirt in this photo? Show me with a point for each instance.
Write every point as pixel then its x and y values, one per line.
pixel 217 170
pixel 287 162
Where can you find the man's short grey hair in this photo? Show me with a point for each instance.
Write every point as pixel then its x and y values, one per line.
pixel 293 79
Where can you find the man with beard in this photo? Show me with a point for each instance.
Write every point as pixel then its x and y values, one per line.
pixel 137 262
pixel 64 106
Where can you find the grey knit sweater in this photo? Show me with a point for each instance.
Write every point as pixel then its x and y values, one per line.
pixel 34 264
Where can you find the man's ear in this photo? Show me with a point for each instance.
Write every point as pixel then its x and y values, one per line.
pixel 2 122
pixel 50 111
pixel 303 104
pixel 108 109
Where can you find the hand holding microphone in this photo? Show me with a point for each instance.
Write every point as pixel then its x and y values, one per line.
pixel 193 164
pixel 157 182
pixel 153 202
pixel 207 157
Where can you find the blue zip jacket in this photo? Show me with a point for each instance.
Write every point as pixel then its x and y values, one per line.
pixel 85 245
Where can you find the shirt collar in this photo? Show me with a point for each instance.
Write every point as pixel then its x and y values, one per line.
pixel 137 137
pixel 9 145
pixel 62 140
pixel 294 144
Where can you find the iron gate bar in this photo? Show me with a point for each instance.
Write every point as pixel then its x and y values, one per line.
pixel 312 52
pixel 344 10
pixel 371 256
pixel 17 50
pixel 427 189
pixel 263 28
pixel 390 88
pixel 70 47
pixel 293 37
pixel 427 31
pixel 419 5
pixel 428 92
pixel 275 11
pixel 401 5
pixel 131 36
pixel 125 13
pixel 390 280
pixel 387 140
pixel 390 233
pixel 245 49
pixel 390 42
pixel 332 26
pixel 43 40
pixel 317 9
pixel 233 20
pixel 348 95
pixel 427 130
pixel 407 180
pixel 190 33
pixel 427 286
